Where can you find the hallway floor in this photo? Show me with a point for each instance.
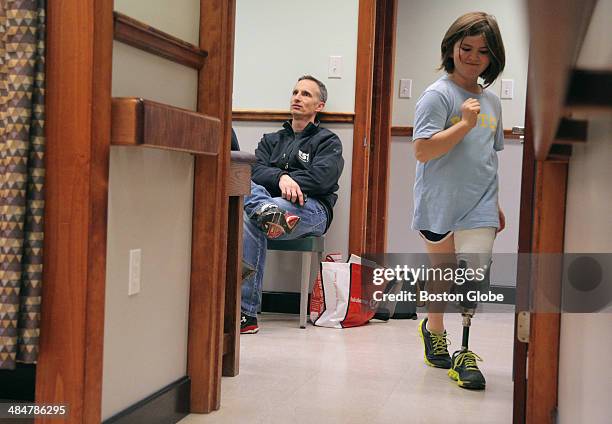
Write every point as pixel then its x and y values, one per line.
pixel 370 374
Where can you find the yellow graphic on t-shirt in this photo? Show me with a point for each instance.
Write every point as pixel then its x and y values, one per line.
pixel 484 121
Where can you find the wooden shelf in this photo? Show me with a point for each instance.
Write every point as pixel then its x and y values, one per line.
pixel 138 122
pixel 145 37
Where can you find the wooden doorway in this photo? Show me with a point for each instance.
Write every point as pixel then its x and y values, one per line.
pixel 372 131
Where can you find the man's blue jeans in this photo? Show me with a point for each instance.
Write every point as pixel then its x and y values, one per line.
pixel 312 223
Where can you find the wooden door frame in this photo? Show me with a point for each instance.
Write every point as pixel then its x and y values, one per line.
pixel 372 126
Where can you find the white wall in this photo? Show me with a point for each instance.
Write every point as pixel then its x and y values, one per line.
pixel 277 41
pixel 149 207
pixel 420 27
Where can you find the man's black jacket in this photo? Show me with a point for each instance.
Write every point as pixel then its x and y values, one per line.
pixel 313 159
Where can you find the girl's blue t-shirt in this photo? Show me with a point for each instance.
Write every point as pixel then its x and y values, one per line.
pixel 457 191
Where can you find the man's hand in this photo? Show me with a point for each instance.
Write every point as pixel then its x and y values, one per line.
pixel 502 220
pixel 469 112
pixel 290 190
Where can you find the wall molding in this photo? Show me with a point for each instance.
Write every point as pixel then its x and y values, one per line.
pixel 255 115
pixel 407 132
pixel 151 40
pixel 168 405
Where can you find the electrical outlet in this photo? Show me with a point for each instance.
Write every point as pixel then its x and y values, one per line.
pixel 405 88
pixel 135 271
pixel 335 67
pixel 507 89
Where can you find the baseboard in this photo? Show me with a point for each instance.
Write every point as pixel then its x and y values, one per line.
pixel 289 303
pixel 18 384
pixel 168 406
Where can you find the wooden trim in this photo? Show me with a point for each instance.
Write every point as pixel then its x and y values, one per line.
pixel 548 237
pixel 281 116
pixel 168 405
pixel 523 269
pixel 572 131
pixel 138 122
pixel 364 85
pixel 590 91
pixel 231 331
pixel 151 40
pixel 407 132
pixel 210 210
pixel 550 68
pixel 78 111
pixel 382 105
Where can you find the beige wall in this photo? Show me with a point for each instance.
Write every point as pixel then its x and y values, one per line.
pixel 585 383
pixel 150 208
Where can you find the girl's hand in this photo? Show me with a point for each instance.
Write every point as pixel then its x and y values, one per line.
pixel 469 112
pixel 502 220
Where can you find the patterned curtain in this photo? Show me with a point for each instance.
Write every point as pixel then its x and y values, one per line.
pixel 22 141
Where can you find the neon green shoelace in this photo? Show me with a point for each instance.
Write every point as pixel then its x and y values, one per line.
pixel 468 360
pixel 439 343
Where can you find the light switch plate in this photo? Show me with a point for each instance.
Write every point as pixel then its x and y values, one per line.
pixel 135 271
pixel 507 89
pixel 405 91
pixel 335 67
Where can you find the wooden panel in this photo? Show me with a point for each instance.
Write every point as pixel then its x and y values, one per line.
pixel 281 116
pixel 231 346
pixel 548 237
pixel 138 122
pixel 382 103
pixel 79 58
pixel 407 132
pixel 145 37
pixel 523 270
pixel 361 132
pixel 209 230
pixel 550 68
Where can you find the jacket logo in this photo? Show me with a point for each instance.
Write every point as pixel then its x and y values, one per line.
pixel 304 157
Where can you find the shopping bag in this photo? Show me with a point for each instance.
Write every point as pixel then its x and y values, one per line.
pixel 347 293
pixel 317 302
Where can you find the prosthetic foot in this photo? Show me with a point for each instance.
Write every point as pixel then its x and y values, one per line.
pixel 464 369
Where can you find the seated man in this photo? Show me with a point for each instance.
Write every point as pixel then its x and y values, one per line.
pixel 293 188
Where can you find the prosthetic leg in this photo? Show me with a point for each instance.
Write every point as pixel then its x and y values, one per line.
pixel 468 307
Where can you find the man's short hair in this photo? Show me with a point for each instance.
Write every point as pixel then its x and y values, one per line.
pixel 322 88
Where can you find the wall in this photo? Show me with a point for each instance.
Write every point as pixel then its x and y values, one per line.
pixel 279 40
pixel 150 207
pixel 276 42
pixel 420 28
pixel 585 385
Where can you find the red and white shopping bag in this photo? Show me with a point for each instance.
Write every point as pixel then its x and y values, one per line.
pixel 345 292
pixel 317 302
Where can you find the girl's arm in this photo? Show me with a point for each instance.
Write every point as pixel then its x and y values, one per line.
pixel 442 142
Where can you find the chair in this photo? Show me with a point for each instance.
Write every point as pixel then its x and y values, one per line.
pixel 309 246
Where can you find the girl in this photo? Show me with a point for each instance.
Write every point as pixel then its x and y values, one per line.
pixel 457 133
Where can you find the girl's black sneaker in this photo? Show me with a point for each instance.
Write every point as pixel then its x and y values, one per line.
pixel 436 351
